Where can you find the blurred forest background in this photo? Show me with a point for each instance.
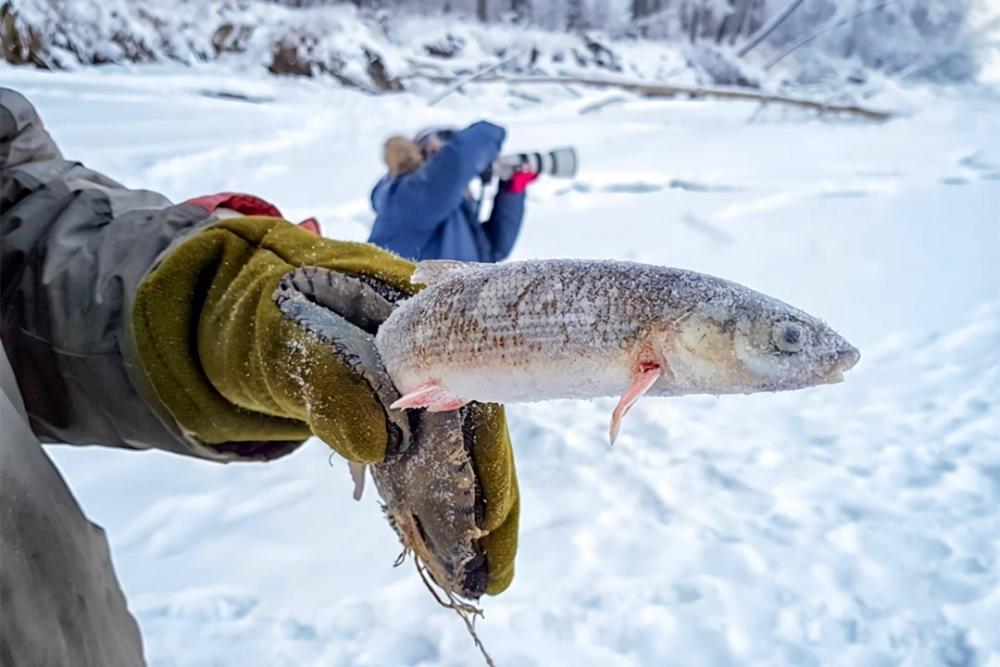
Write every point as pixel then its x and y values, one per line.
pixel 377 44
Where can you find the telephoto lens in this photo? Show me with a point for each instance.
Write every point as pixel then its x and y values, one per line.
pixel 560 163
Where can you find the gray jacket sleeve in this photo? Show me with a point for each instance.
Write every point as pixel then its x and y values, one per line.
pixel 61 601
pixel 74 246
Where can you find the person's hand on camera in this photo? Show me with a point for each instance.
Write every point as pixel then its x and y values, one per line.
pixel 518 182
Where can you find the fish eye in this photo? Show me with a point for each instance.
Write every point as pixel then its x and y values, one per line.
pixel 788 337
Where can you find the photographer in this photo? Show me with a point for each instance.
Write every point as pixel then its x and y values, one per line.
pixel 424 207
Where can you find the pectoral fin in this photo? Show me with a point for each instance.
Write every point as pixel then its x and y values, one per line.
pixel 358 475
pixel 447 404
pixel 646 377
pixel 430 395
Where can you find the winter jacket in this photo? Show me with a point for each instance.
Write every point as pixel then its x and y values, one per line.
pixel 133 322
pixel 61 601
pixel 74 246
pixel 130 321
pixel 428 214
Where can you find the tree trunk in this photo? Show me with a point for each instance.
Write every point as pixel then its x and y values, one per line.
pixel 763 33
pixel 643 8
pixel 575 20
pixel 667 91
pixel 521 9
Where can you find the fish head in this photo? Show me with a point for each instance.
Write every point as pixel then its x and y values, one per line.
pixel 745 342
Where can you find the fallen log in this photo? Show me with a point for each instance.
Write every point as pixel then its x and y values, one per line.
pixel 670 91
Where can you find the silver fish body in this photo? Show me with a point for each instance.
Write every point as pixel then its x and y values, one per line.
pixel 539 330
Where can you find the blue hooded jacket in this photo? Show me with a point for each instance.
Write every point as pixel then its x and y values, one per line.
pixel 428 215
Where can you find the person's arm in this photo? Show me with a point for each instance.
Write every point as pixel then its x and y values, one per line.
pixel 130 321
pixel 508 213
pixel 113 303
pixel 504 224
pixel 425 197
pixel 74 245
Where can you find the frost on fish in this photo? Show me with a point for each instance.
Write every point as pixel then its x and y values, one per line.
pixel 539 330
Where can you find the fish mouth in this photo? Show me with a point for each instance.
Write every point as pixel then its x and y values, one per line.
pixel 844 360
pixel 834 377
pixel 847 358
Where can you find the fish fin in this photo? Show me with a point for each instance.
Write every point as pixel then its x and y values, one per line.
pixel 432 271
pixel 430 395
pixel 420 397
pixel 358 475
pixel 447 404
pixel 646 377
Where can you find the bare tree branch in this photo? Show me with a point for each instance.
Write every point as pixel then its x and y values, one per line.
pixel 754 40
pixel 741 23
pixel 847 19
pixel 472 77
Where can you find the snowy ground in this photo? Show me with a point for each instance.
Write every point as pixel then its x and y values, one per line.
pixel 852 525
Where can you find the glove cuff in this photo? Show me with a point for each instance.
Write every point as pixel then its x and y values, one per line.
pixel 214 345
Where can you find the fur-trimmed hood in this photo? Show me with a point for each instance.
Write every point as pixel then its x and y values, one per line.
pixel 402 155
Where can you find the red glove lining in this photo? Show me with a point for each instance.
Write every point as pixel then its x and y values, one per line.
pixel 247 205
pixel 520 180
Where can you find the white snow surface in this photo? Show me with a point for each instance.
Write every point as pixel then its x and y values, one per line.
pixel 852 525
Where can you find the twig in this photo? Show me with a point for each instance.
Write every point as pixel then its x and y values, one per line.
pixel 662 90
pixel 431 573
pixel 756 113
pixel 467 612
pixel 600 104
pixel 747 8
pixel 472 77
pixel 755 39
pixel 572 91
pixel 802 42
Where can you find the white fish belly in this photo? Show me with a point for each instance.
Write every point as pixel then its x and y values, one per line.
pixel 589 376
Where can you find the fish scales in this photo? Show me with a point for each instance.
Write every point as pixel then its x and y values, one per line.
pixel 538 330
pixel 517 314
pixel 523 315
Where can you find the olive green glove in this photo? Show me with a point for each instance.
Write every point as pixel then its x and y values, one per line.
pixel 255 330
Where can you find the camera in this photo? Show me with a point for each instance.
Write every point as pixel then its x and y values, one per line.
pixel 559 162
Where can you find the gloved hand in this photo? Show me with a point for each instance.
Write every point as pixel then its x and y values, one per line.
pixel 519 181
pixel 254 329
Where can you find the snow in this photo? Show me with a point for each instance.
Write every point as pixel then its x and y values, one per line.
pixel 333 40
pixel 842 49
pixel 853 524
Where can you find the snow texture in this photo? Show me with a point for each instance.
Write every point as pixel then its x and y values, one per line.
pixel 853 524
pixel 335 41
pixel 839 48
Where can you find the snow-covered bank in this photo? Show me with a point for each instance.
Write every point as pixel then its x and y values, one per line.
pixel 846 525
pixel 842 48
pixel 365 50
